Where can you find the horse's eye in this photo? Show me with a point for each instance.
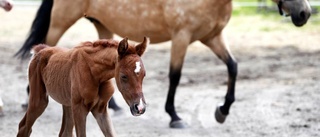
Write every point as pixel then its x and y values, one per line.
pixel 124 77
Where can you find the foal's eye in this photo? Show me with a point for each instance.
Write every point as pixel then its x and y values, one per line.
pixel 124 77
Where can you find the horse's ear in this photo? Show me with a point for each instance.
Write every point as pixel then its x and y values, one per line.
pixel 123 47
pixel 140 48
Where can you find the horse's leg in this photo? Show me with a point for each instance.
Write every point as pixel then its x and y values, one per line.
pixel 100 111
pixel 103 119
pixel 79 112
pixel 67 122
pixel 63 15
pixel 219 47
pixel 104 33
pixel 37 103
pixel 180 42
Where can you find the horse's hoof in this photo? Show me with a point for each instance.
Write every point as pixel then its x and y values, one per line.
pixel 178 124
pixel 219 116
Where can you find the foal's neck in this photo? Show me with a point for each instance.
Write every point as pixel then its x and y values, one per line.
pixel 102 63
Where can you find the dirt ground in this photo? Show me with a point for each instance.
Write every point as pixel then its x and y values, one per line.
pixel 277 93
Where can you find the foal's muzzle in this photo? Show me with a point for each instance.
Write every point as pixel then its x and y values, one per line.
pixel 138 109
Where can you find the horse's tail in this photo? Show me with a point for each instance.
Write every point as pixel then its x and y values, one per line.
pixel 39 29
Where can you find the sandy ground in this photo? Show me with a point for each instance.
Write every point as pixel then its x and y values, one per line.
pixel 278 88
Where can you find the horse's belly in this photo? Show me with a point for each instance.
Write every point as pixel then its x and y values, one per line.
pixel 59 91
pixel 56 79
pixel 63 98
pixel 156 31
pixel 161 20
pixel 129 19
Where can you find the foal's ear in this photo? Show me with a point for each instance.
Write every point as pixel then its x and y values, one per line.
pixel 123 47
pixel 140 48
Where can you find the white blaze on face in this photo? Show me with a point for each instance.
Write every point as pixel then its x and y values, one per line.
pixel 141 105
pixel 138 67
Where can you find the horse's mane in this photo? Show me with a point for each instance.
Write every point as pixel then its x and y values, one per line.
pixel 93 47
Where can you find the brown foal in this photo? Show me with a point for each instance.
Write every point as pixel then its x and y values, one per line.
pixel 80 80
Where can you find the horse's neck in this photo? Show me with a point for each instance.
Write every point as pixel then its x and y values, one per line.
pixel 103 63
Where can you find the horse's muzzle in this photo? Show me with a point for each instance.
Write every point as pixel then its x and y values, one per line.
pixel 138 109
pixel 300 18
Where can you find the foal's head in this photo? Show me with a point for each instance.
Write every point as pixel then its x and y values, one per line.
pixel 129 75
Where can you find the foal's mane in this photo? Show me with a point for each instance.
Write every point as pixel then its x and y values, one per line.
pixel 99 45
pixel 93 47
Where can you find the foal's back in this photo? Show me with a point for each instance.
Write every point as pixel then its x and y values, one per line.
pixel 54 65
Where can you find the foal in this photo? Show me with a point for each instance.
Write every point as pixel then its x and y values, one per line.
pixel 80 80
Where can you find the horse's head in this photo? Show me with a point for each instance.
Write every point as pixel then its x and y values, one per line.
pixel 6 4
pixel 129 75
pixel 299 10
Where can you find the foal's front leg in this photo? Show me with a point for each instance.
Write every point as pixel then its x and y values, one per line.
pixel 100 110
pixel 103 121
pixel 80 113
pixel 67 122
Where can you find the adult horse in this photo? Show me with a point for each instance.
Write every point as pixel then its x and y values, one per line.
pixel 182 22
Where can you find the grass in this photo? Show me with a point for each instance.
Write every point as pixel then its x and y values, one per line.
pixel 270 18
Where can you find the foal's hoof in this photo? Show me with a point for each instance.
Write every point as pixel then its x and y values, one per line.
pixel 219 116
pixel 178 124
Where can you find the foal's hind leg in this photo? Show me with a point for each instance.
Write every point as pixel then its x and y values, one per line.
pixel 67 122
pixel 37 103
pixel 63 15
pixel 219 47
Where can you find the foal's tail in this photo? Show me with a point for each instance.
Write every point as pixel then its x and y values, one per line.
pixel 38 48
pixel 39 29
